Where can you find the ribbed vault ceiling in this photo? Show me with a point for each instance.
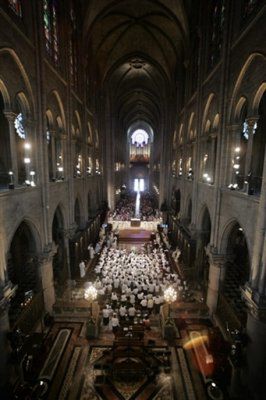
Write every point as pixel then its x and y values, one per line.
pixel 135 48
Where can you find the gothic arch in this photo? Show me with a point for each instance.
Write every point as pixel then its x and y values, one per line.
pixel 60 106
pixel 33 228
pixel 191 127
pixel 237 87
pixel 206 110
pixel 24 104
pixel 61 210
pixel 204 212
pixel 59 258
pixel 77 116
pixel 239 107
pixel 22 70
pixel 50 117
pixel 226 232
pixel 78 211
pixel 180 134
pixel 22 267
pixel 216 122
pixel 5 94
pixel 257 98
pixel 90 135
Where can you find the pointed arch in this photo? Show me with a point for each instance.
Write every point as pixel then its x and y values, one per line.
pixel 22 70
pixel 34 230
pixel 239 80
pixel 206 110
pixel 23 101
pixel 77 116
pixel 204 211
pixel 239 107
pixel 191 131
pixel 257 98
pixel 50 117
pixel 5 94
pixel 61 107
pixel 216 122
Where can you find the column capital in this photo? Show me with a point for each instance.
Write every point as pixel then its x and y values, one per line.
pixel 255 302
pixel 215 258
pixel 251 121
pixel 47 255
pixel 70 232
pixel 10 115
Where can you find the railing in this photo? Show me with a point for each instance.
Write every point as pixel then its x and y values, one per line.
pixel 254 183
pixel 31 314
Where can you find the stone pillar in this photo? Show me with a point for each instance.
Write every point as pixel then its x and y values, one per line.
pixel 213 157
pixel 4 349
pixel 47 277
pixel 235 136
pixel 54 166
pixel 258 267
pixel 216 277
pixel 10 116
pixel 6 293
pixel 251 124
pixel 68 235
pixel 66 163
pixel 256 355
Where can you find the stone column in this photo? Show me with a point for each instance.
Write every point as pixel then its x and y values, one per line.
pixel 10 116
pixel 258 267
pixel 54 166
pixel 213 157
pixel 47 277
pixel 234 142
pixel 256 355
pixel 216 277
pixel 68 235
pixel 4 348
pixel 251 124
pixel 66 161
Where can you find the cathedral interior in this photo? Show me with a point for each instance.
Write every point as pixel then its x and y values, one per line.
pixel 133 199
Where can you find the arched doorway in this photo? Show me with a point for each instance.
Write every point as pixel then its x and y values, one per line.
pixel 5 162
pixel 202 243
pixel 59 259
pixel 237 271
pixel 22 269
pixel 176 201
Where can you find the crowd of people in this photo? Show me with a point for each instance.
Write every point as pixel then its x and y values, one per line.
pixel 131 283
pixel 125 208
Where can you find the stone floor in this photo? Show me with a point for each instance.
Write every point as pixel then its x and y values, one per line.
pixel 75 376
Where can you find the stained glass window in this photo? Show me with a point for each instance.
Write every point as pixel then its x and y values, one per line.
pixel 249 7
pixel 140 137
pixel 73 48
pixel 15 5
pixel 216 34
pixel 50 21
pixel 19 126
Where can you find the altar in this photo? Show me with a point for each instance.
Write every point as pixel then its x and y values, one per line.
pixel 135 222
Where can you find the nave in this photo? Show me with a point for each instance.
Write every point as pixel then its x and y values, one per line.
pixel 130 327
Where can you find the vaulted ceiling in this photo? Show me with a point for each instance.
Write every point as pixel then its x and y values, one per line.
pixel 135 49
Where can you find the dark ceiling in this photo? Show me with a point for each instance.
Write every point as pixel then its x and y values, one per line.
pixel 135 49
